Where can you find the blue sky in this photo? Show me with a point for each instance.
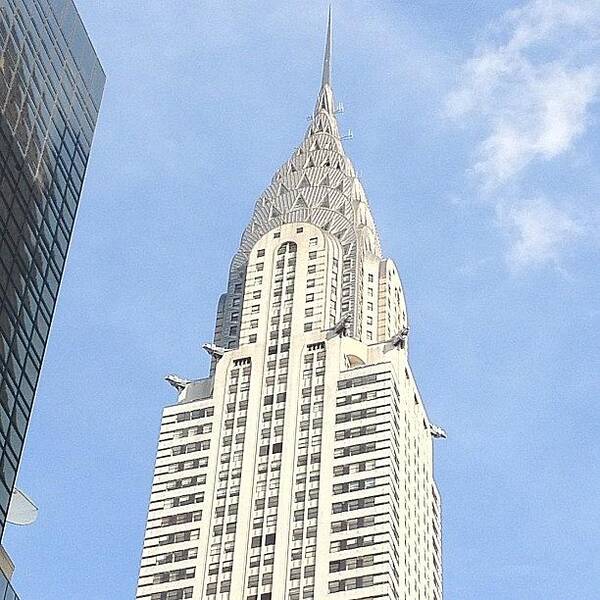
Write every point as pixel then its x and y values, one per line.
pixel 476 136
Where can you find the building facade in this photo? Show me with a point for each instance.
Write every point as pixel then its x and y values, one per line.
pixel 302 467
pixel 51 85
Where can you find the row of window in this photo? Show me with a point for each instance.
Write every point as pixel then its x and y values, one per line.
pixel 191 447
pixel 192 431
pixel 185 465
pixel 178 537
pixel 360 381
pixel 198 413
pixel 179 594
pixel 358 523
pixel 356 562
pixel 175 575
pixel 186 500
pixel 352 583
pixel 360 541
pixel 357 415
pixel 354 432
pixel 359 484
pixel 181 518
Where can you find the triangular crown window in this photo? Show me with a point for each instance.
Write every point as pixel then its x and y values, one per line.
pixel 304 182
pixel 300 203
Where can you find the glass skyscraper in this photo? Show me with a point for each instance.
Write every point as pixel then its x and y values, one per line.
pixel 51 84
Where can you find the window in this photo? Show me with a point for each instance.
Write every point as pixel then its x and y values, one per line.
pixel 299 229
pixel 370 277
pixel 271 520
pixel 312 255
pixel 260 253
pixel 313 241
pixel 211 589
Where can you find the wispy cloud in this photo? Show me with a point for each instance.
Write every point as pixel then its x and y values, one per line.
pixel 532 85
pixel 539 232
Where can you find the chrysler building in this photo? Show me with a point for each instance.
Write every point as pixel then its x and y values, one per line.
pixel 302 466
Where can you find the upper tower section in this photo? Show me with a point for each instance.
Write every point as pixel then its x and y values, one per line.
pixel 318 185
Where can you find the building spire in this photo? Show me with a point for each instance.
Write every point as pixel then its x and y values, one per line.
pixel 326 79
pixel 325 98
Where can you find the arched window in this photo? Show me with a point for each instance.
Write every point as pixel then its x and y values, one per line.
pixel 290 247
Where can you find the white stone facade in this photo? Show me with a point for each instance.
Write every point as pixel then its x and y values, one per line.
pixel 302 467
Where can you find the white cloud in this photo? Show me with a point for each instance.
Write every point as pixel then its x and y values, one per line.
pixel 534 88
pixel 540 232
pixel 540 117
pixel 531 87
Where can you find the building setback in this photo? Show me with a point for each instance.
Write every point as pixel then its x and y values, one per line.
pixel 302 466
pixel 51 85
